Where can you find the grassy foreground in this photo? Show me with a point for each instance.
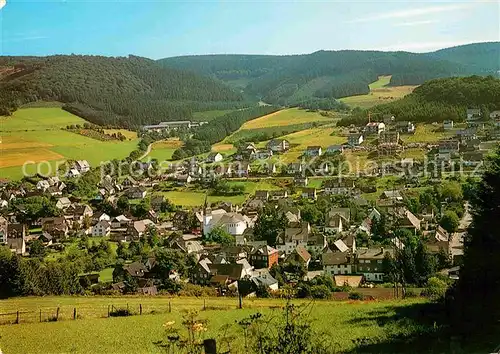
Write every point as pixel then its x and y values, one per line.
pixel 344 322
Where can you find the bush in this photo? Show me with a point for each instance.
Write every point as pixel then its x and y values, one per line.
pixel 354 295
pixel 435 288
pixel 411 293
pixel 197 290
pixel 320 292
pixel 120 313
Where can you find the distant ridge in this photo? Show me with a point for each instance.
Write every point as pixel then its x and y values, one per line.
pixel 290 79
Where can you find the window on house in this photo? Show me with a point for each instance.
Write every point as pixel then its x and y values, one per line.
pixel 379 261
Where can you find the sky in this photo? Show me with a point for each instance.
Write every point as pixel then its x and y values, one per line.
pixel 159 29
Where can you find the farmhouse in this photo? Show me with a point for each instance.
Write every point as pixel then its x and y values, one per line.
pixel 373 128
pixel 294 235
pixel 264 257
pixel 294 168
pixel 233 223
pixel 278 145
pixel 447 124
pixel 388 143
pixel 215 157
pixel 337 263
pixel 300 181
pixel 309 193
pixel 405 127
pixel 369 263
pixel 337 219
pixel 263 154
pixel 136 192
pixel 63 203
pixel 55 226
pixel 313 151
pixel 338 186
pixel 82 166
pixel 495 114
pixel 355 139
pixel 473 114
pixel 333 149
pixel 174 125
pixel 3 230
pixel 299 255
pixel 102 228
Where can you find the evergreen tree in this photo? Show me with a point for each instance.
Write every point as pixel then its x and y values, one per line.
pixel 478 289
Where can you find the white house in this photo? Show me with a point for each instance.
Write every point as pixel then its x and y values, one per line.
pixel 73 173
pixel 335 263
pixel 101 229
pixel 495 114
pixel 42 185
pixel 473 114
pixel 337 219
pixel 234 223
pixel 447 124
pixel 215 157
pixel 374 128
pixel 355 139
pixel 82 166
pixel 63 203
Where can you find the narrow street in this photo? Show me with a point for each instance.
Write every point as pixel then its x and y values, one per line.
pixel 457 240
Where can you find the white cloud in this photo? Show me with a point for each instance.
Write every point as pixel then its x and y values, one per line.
pixel 3 3
pixel 414 23
pixel 411 13
pixel 423 47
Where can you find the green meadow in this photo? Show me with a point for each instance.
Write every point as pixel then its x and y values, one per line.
pixel 36 135
pixel 343 322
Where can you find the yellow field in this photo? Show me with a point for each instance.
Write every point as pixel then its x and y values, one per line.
pixel 426 133
pixel 220 147
pixel 379 93
pixel 310 137
pixel 283 118
pixel 127 133
pixel 168 144
pixel 17 157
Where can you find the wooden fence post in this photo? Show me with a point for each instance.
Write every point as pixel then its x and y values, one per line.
pixel 169 307
pixel 74 313
pixel 17 317
pixel 108 310
pixel 140 309
pixel 210 346
pixel 241 301
pixel 204 304
pixel 57 314
pixel 127 308
pixel 40 315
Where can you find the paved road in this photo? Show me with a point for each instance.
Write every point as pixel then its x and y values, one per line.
pixel 457 240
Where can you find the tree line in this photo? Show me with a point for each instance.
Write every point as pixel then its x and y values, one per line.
pixel 124 91
pixel 438 100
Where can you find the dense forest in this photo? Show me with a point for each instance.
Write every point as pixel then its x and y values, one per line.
pixel 438 100
pixel 291 79
pixel 126 91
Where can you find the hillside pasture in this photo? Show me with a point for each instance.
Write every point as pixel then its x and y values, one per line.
pixel 380 92
pixel 427 133
pixel 37 135
pixel 285 117
pixel 163 150
pixel 344 322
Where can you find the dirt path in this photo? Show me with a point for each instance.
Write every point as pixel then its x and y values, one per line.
pixel 148 150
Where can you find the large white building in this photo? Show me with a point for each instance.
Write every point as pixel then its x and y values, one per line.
pixel 234 223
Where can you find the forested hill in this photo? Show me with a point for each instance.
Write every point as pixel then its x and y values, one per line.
pixel 125 91
pixel 440 99
pixel 334 74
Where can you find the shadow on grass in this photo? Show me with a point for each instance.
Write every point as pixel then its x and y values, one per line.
pixel 420 328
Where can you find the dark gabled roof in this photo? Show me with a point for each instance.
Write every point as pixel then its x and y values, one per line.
pixel 233 271
pixel 335 258
pixel 136 269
